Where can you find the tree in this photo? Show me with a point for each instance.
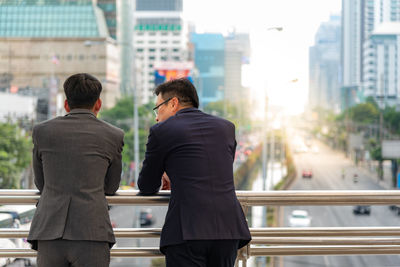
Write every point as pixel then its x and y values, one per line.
pixel 364 113
pixel 375 151
pixel 121 115
pixel 15 154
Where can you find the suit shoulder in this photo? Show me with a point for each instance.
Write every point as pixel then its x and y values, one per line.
pixel 221 120
pixel 113 129
pixel 44 124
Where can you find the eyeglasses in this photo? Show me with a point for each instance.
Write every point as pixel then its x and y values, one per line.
pixel 155 109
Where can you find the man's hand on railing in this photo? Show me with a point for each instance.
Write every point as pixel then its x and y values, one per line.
pixel 165 182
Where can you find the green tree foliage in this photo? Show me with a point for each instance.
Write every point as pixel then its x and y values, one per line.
pixel 364 113
pixel 238 114
pixel 121 115
pixel 15 154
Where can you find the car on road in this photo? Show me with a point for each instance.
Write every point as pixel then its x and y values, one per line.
pixel 395 208
pixel 362 209
pixel 146 217
pixel 307 173
pixel 299 218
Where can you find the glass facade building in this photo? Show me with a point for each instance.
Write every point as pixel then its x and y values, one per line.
pixel 43 18
pixel 158 5
pixel 209 59
pixel 109 8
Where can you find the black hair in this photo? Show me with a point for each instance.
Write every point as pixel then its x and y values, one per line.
pixel 82 90
pixel 181 88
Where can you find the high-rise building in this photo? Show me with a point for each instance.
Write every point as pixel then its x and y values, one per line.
pixel 386 75
pixel 359 54
pixel 351 51
pixel 376 14
pixel 109 8
pixel 42 42
pixel 209 59
pixel 324 66
pixel 237 53
pixel 159 35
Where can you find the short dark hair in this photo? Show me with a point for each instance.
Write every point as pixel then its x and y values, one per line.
pixel 82 90
pixel 181 88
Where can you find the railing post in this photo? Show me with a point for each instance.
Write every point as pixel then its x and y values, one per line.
pixel 243 255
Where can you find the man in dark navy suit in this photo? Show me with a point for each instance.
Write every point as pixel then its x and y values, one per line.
pixel 205 224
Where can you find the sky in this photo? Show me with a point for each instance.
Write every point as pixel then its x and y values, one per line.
pixel 278 57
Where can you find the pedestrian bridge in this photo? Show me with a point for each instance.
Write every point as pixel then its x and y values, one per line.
pixel 271 241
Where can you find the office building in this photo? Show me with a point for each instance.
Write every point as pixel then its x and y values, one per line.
pixel 44 42
pixel 237 53
pixel 209 60
pixel 159 35
pixel 324 67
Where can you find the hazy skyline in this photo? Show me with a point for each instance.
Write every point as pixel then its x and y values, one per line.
pixel 277 57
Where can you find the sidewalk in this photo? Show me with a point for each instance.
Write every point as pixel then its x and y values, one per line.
pixel 369 169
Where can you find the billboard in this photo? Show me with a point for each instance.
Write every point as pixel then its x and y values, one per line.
pixel 391 149
pixel 169 70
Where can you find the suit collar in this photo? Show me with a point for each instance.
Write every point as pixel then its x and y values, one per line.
pixel 185 110
pixel 81 111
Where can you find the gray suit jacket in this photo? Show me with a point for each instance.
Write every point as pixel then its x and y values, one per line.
pixel 76 162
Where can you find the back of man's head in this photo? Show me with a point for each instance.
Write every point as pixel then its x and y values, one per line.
pixel 82 90
pixel 182 88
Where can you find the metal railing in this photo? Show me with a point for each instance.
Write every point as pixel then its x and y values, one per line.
pixel 275 241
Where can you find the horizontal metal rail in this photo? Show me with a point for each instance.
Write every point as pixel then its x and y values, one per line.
pixel 277 241
pixel 323 250
pixel 247 198
pixel 115 252
pixel 269 233
pixel 254 251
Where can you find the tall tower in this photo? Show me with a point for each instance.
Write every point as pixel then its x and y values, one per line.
pixel 377 13
pixel 159 35
pixel 324 90
pixel 351 50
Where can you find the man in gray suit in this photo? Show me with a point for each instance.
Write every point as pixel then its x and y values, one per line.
pixel 76 161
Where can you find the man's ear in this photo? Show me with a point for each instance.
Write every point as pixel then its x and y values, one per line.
pixel 97 106
pixel 66 106
pixel 175 102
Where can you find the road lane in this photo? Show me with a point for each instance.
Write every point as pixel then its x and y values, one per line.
pixel 327 167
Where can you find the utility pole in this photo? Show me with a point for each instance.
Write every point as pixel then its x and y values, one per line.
pixel 264 169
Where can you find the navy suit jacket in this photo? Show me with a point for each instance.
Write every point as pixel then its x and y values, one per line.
pixel 196 150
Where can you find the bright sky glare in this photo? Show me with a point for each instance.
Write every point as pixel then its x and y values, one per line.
pixel 277 57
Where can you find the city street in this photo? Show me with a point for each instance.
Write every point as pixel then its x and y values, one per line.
pixel 327 166
pixel 125 217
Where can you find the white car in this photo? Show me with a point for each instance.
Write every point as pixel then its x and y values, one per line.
pixel 299 218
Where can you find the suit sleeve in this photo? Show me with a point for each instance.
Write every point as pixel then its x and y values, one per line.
pixel 149 181
pixel 113 176
pixel 37 163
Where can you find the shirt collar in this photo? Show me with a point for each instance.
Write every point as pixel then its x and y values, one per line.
pixel 81 111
